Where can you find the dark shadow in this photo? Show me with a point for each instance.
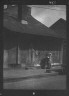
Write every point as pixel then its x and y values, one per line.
pixel 26 41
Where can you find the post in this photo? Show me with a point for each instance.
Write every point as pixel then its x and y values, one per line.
pixel 16 48
pixel 17 54
pixel 61 60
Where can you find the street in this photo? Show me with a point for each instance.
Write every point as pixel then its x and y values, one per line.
pixel 57 82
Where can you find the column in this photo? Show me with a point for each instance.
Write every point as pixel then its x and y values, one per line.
pixel 5 59
pixel 19 57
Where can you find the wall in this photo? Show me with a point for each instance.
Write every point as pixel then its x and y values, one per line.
pixel 31 49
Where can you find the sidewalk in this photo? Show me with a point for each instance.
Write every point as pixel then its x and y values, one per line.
pixel 18 74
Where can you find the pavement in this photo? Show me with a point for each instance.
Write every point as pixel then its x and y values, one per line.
pixel 15 75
